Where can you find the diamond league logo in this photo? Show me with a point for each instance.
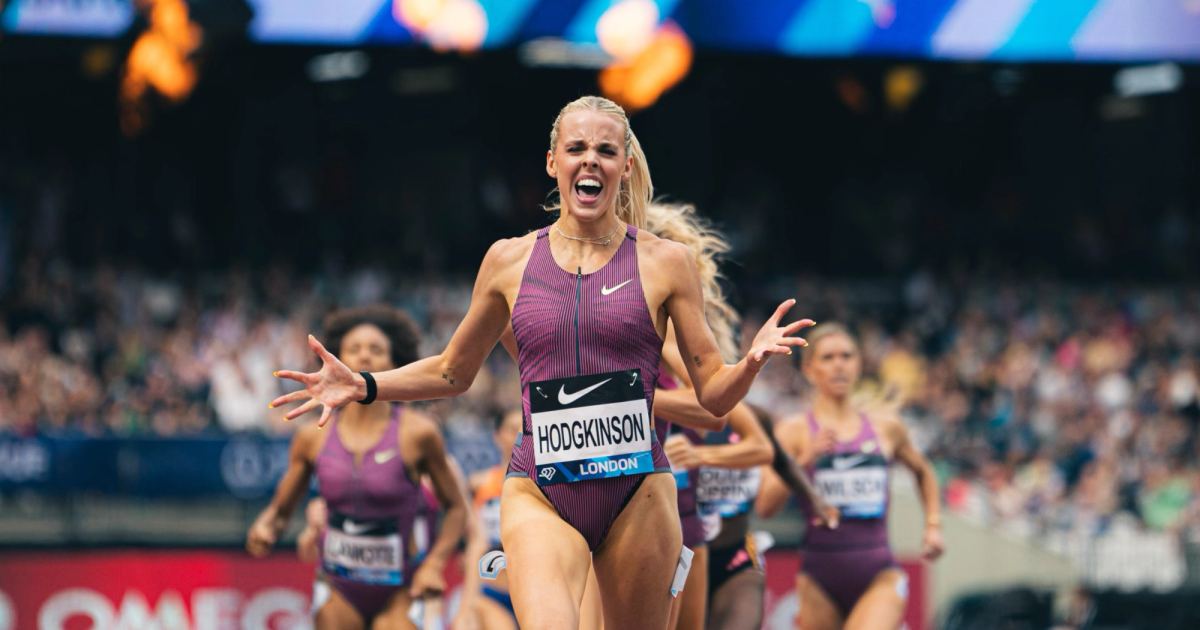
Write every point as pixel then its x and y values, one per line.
pixel 249 468
pixel 547 473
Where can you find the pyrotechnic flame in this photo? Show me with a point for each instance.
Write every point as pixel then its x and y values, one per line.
pixel 659 67
pixel 159 59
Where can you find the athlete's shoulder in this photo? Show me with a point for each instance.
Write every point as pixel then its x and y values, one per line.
pixel 666 254
pixel 888 423
pixel 792 427
pixel 510 250
pixel 308 438
pixel 421 427
pixel 505 260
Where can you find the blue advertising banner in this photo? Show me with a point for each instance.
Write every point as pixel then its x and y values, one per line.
pixel 246 467
pixel 242 467
pixel 1009 30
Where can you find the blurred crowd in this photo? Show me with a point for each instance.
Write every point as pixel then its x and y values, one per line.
pixel 1045 407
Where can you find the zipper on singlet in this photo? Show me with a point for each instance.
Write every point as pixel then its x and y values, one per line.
pixel 578 294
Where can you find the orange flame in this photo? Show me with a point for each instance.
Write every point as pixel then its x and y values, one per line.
pixel 159 59
pixel 664 63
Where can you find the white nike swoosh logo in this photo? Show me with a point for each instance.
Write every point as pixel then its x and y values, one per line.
pixel 606 290
pixel 383 457
pixel 565 399
pixel 848 462
pixel 354 529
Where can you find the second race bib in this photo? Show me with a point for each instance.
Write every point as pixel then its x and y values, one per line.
pixel 727 492
pixel 369 552
pixel 590 427
pixel 855 484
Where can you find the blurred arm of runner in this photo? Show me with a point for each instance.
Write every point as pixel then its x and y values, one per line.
pixel 753 449
pixel 428 579
pixel 719 387
pixel 681 407
pixel 904 452
pixel 793 477
pixel 441 376
pixel 315 516
pixel 792 436
pixel 467 617
pixel 273 520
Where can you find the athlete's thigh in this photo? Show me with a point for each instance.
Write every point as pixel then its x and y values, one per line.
pixel 636 561
pixel 694 598
pixel 817 610
pixel 591 611
pixel 547 559
pixel 493 616
pixel 337 614
pixel 738 604
pixel 394 615
pixel 882 606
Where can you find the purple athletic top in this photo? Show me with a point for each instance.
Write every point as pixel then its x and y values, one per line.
pixel 587 349
pixel 370 503
pixel 854 479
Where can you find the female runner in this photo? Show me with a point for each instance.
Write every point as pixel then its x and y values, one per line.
pixel 316 517
pixel 579 486
pixel 849 578
pixel 368 466
pixel 488 606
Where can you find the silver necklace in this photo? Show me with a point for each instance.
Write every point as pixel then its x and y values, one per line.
pixel 597 240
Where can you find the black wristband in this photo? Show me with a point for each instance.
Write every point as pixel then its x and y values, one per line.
pixel 372 390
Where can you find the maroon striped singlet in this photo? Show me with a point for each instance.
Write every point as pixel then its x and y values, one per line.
pixel 575 324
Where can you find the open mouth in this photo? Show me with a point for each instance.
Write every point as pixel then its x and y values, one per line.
pixel 588 190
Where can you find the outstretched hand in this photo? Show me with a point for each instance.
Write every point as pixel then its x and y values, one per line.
pixel 773 339
pixel 334 386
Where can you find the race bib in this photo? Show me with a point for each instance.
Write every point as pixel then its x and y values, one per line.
pixel 727 492
pixel 590 427
pixel 370 552
pixel 855 484
pixel 489 516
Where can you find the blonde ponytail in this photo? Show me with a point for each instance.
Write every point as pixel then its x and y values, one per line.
pixel 635 194
pixel 680 223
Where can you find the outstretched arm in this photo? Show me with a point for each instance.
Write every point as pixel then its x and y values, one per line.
pixel 454 522
pixel 718 386
pixel 447 374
